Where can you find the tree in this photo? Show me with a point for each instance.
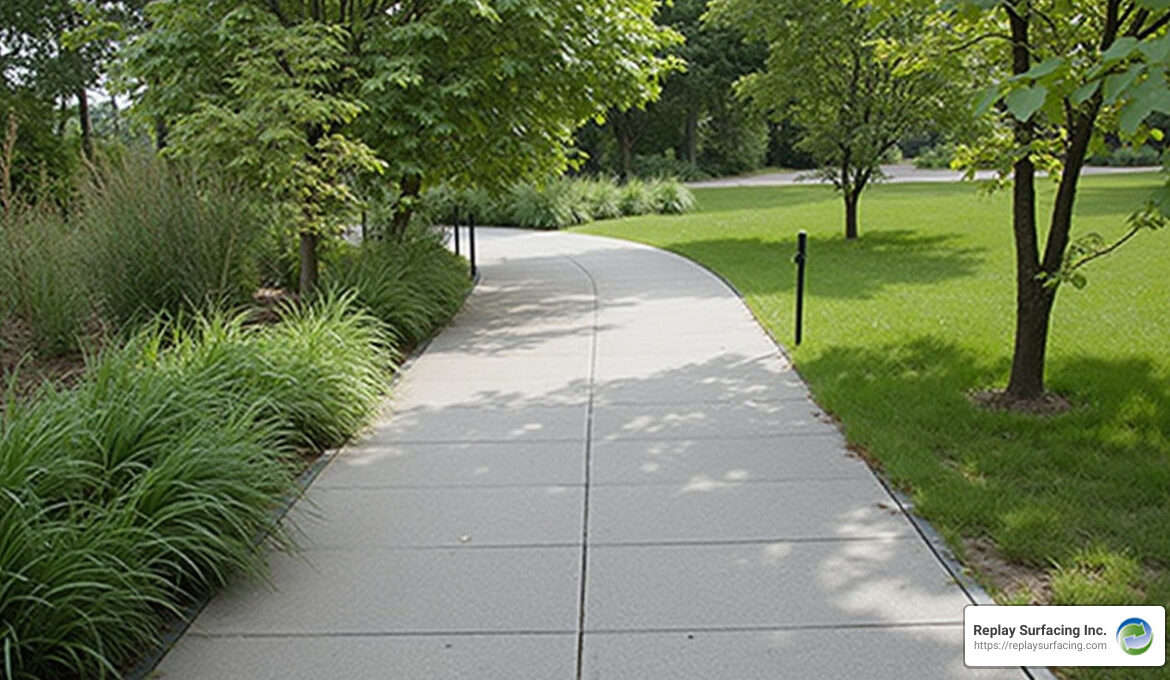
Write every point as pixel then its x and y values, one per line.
pixel 468 91
pixel 716 56
pixel 695 105
pixel 1070 73
pixel 485 93
pixel 829 74
pixel 269 108
pixel 55 50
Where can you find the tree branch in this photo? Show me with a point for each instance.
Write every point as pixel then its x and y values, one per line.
pixel 1073 266
pixel 1153 28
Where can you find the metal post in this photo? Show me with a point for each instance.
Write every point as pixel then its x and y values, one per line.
pixel 455 226
pixel 471 243
pixel 801 259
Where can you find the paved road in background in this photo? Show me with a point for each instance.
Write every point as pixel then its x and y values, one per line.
pixel 895 173
pixel 602 469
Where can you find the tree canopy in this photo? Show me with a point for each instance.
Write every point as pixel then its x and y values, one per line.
pixel 829 71
pixel 465 91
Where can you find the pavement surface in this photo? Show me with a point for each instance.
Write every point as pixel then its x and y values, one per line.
pixel 894 173
pixel 602 469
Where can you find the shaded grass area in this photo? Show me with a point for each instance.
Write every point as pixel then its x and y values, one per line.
pixel 903 325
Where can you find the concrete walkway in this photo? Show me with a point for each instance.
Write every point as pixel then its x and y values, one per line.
pixel 896 174
pixel 603 469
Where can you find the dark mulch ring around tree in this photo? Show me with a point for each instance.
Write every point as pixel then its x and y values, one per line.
pixel 1049 404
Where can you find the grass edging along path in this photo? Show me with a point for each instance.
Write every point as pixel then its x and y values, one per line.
pixel 903 325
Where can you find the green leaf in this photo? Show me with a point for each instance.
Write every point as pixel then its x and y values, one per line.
pixel 1084 92
pixel 987 100
pixel 1118 83
pixel 1120 49
pixel 1024 102
pixel 1045 67
pixel 1154 4
pixel 1156 51
pixel 1132 116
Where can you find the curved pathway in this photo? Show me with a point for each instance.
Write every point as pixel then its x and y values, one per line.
pixel 602 469
pixel 896 174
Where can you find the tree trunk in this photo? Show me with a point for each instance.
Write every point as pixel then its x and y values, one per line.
pixel 309 264
pixel 692 136
pixel 851 200
pixel 160 133
pixel 115 114
pixel 1033 311
pixel 411 188
pixel 1033 299
pixel 86 123
pixel 624 135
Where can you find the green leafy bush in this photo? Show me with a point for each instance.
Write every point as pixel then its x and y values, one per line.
pixel 603 198
pixel 562 203
pixel 414 285
pixel 548 207
pixel 634 198
pixel 1128 157
pixel 937 157
pixel 665 165
pixel 668 197
pixel 147 484
pixel 160 239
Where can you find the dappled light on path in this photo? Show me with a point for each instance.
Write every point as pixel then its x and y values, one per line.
pixel 602 464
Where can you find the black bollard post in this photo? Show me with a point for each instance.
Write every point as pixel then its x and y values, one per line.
pixel 471 243
pixel 455 226
pixel 801 259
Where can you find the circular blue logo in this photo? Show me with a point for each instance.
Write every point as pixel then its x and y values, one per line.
pixel 1135 636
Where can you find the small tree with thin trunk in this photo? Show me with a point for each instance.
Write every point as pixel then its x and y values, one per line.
pixel 828 71
pixel 1070 73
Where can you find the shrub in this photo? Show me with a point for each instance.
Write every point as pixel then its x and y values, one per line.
pixel 670 197
pixel 564 202
pixel 326 367
pixel 161 239
pixel 602 197
pixel 935 158
pixel 666 165
pixel 634 198
pixel 135 491
pixel 1128 157
pixel 540 207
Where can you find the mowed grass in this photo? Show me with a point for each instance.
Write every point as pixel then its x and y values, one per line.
pixel 903 325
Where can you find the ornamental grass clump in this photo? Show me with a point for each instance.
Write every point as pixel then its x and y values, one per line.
pixel 160 238
pixel 149 483
pixel 414 285
pixel 670 197
pixel 41 282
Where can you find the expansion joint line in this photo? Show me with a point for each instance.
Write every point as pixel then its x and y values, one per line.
pixel 588 469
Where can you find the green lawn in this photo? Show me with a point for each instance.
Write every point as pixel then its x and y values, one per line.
pixel 904 324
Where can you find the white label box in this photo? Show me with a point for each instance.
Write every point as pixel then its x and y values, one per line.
pixel 999 636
